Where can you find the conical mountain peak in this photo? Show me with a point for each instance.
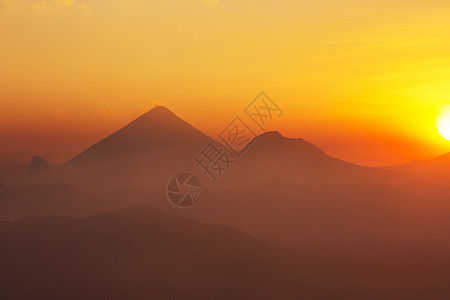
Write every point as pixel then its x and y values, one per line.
pixel 158 115
pixel 157 130
pixel 160 111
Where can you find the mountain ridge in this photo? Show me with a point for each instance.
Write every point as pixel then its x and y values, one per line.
pixel 159 144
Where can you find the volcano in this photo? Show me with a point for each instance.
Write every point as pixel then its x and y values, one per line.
pixel 157 145
pixel 152 134
pixel 150 148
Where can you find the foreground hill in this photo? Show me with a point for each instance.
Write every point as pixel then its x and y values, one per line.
pixel 139 252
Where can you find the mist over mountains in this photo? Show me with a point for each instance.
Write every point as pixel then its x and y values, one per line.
pixel 295 220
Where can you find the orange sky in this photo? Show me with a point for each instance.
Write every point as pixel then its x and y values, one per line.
pixel 363 80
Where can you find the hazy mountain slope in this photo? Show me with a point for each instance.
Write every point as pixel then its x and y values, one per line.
pixel 324 216
pixel 71 200
pixel 11 171
pixel 439 165
pixel 275 210
pixel 428 178
pixel 45 199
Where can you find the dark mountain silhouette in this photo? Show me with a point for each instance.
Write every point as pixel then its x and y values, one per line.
pixel 273 155
pixel 38 166
pixel 154 147
pixel 383 230
pixel 142 253
pixel 152 133
pixel 150 150
pixel 146 152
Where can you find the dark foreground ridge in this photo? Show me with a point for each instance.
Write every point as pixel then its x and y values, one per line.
pixel 136 252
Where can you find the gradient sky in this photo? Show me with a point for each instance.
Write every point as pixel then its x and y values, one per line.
pixel 364 80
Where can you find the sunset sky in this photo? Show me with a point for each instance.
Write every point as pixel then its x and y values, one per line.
pixel 363 80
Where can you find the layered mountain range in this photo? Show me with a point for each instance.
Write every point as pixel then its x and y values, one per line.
pixel 350 230
pixel 152 148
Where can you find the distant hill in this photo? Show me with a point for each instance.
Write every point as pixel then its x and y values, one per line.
pixel 273 155
pixel 38 166
pixel 354 230
pixel 429 178
pixel 442 161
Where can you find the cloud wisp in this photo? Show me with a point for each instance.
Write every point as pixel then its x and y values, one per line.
pixel 41 6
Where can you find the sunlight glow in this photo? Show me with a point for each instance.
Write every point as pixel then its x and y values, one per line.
pixel 443 122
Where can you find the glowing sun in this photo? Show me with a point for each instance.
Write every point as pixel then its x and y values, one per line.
pixel 443 122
